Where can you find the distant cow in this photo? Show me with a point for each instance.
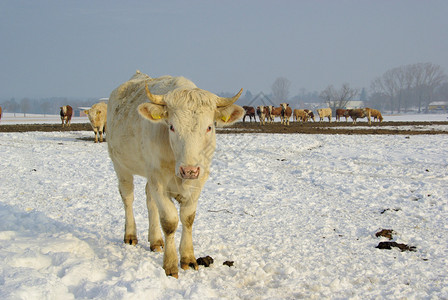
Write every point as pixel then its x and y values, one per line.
pixel 98 118
pixel 359 113
pixel 300 115
pixel 262 112
pixel 340 112
pixel 324 113
pixel 250 111
pixel 286 113
pixel 275 112
pixel 163 129
pixel 376 114
pixel 66 115
pixel 310 114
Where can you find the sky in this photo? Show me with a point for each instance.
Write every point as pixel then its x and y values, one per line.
pixel 53 48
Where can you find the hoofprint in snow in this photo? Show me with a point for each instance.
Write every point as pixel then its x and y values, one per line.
pixel 296 213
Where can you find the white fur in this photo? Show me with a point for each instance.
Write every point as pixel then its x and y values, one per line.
pixel 324 113
pixel 98 119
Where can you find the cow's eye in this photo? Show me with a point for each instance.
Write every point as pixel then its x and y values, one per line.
pixel 209 128
pixel 172 128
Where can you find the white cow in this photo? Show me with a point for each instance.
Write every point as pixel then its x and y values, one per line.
pixel 324 113
pixel 98 119
pixel 165 131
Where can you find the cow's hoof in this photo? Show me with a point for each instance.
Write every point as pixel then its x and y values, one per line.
pixel 175 275
pixel 156 248
pixel 187 264
pixel 173 272
pixel 131 240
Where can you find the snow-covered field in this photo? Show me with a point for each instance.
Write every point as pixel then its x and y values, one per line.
pixel 296 213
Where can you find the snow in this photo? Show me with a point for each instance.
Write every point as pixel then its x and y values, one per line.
pixel 296 213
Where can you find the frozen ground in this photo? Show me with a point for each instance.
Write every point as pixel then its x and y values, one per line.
pixel 296 213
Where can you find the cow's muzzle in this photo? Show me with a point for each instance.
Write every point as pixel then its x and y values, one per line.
pixel 189 172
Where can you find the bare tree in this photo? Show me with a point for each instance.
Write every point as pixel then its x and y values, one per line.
pixel 411 84
pixel 280 89
pixel 338 98
pixel 25 105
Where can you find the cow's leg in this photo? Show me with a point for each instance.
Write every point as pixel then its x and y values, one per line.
pixel 126 187
pixel 169 221
pixel 187 215
pixel 96 134
pixel 101 135
pixel 154 234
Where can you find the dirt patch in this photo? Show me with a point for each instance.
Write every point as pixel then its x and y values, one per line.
pixel 402 128
pixel 44 127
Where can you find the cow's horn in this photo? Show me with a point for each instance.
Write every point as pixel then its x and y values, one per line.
pixel 228 101
pixel 156 99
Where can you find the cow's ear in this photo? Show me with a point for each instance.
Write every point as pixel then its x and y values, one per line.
pixel 229 114
pixel 153 112
pixel 86 112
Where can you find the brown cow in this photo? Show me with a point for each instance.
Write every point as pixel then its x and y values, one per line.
pixel 286 113
pixel 66 115
pixel 376 114
pixel 262 114
pixel 340 112
pixel 300 115
pixel 250 111
pixel 275 112
pixel 310 114
pixel 359 113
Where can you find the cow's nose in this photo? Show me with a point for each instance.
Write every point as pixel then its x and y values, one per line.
pixel 189 172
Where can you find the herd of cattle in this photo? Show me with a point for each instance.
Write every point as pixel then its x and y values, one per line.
pixel 268 113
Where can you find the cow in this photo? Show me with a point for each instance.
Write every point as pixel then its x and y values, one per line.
pixel 340 112
pixel 163 129
pixel 300 115
pixel 376 114
pixel 324 113
pixel 359 113
pixel 250 111
pixel 262 112
pixel 98 119
pixel 286 113
pixel 66 115
pixel 267 113
pixel 310 114
pixel 275 112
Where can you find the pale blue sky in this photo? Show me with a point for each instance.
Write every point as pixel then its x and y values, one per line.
pixel 86 48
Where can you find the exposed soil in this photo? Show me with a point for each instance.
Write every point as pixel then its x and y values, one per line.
pixel 404 128
pixel 44 127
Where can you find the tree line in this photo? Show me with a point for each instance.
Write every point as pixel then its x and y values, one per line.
pixel 50 106
pixel 408 86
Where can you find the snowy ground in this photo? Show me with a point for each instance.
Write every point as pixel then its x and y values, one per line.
pixel 296 213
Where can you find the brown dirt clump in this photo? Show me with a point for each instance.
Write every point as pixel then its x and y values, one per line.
pixel 402 128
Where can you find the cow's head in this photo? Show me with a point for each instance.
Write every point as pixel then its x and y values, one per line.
pixel 190 116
